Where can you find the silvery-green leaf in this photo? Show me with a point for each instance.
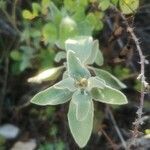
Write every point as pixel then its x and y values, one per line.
pixel 75 69
pixel 49 74
pixel 81 130
pixel 65 75
pixel 60 55
pixel 109 79
pixel 52 96
pixel 82 46
pixel 99 60
pixel 95 82
pixel 67 83
pixel 94 51
pixel 109 95
pixel 82 100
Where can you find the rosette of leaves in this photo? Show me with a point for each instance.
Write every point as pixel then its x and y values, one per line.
pixel 80 88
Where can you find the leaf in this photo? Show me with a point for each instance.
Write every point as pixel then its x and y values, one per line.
pixel 49 33
pixel 81 130
pixel 36 8
pixel 95 82
pixel 81 46
pixel 55 14
pixel 67 83
pixel 115 2
pixel 85 28
pixel 60 55
pixel 52 96
pixel 67 29
pixel 128 6
pixel 27 14
pixel 65 75
pixel 94 52
pixel 104 4
pixel 82 100
pixel 99 60
pixel 44 8
pixel 94 20
pixel 15 55
pixel 75 69
pixel 109 79
pixel 49 74
pixel 109 95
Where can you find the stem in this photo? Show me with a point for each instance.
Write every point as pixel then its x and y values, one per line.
pixel 141 77
pixel 116 127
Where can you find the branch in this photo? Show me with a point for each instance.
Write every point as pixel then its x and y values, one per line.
pixel 139 120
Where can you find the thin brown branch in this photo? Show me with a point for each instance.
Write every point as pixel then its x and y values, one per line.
pixel 113 145
pixel 138 121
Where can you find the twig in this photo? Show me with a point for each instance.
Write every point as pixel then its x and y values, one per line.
pixel 141 77
pixel 116 127
pixel 113 145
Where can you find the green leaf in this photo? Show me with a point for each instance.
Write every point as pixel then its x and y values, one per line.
pixel 67 83
pixel 85 28
pixel 115 2
pixel 49 32
pixel 45 4
pixel 15 55
pixel 55 14
pixel 104 4
pixel 67 29
pixel 69 5
pixel 128 6
pixel 95 82
pixel 75 69
pixel 81 130
pixel 82 46
pixel 109 95
pixel 94 20
pixel 27 14
pixel 52 96
pixel 36 8
pixel 82 100
pixel 109 79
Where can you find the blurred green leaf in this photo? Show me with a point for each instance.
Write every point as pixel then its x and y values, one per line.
pixel 36 9
pixel 104 4
pixel 27 14
pixel 50 74
pixel 15 55
pixel 115 2
pixel 128 6
pixel 49 32
pixel 67 29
